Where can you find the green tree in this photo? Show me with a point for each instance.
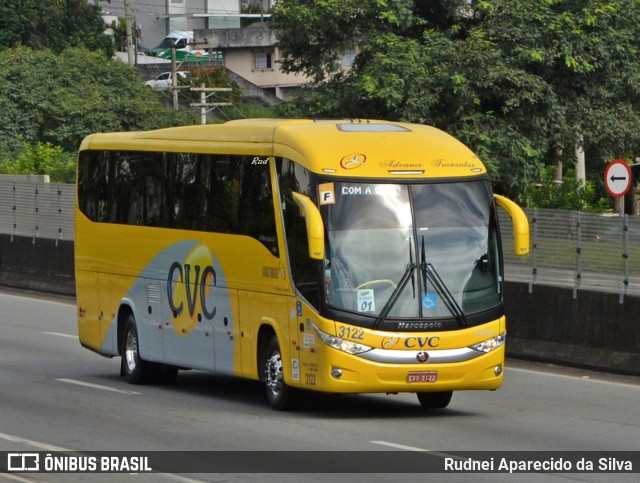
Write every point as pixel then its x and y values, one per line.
pixel 119 31
pixel 53 25
pixel 520 81
pixel 59 99
pixel 41 158
pixel 569 194
pixel 586 52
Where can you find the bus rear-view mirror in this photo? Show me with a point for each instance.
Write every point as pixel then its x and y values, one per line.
pixel 520 224
pixel 315 227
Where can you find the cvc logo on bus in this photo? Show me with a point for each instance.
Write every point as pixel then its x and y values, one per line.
pixel 413 342
pixel 188 285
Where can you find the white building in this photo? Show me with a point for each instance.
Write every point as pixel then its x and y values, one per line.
pixel 249 50
pixel 154 19
pixel 252 53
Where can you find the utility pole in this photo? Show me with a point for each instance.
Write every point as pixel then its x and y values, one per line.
pixel 203 104
pixel 174 77
pixel 127 20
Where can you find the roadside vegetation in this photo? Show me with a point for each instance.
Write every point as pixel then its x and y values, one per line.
pixel 523 83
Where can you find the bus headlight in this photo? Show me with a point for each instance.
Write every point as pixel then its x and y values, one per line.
pixel 490 344
pixel 343 345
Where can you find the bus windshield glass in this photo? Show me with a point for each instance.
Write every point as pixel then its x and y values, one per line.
pixel 398 251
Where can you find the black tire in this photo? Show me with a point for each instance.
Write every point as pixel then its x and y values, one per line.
pixel 135 369
pixel 434 400
pixel 280 396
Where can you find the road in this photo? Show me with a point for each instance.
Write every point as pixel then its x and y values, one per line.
pixel 57 396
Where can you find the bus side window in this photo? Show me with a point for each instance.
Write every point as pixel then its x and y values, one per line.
pixel 255 207
pixel 239 199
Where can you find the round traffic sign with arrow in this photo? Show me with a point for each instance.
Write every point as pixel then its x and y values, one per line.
pixel 617 178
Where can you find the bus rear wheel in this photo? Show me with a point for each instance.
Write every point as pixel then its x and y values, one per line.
pixel 434 400
pixel 135 369
pixel 280 396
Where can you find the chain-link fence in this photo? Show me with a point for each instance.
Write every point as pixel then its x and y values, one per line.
pixel 568 248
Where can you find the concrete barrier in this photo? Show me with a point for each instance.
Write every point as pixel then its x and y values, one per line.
pixel 593 330
pixel 37 264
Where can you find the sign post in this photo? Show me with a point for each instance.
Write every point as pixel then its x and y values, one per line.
pixel 617 180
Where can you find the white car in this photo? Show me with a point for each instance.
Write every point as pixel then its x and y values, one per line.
pixel 162 82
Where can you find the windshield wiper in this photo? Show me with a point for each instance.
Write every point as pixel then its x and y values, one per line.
pixel 408 274
pixel 429 273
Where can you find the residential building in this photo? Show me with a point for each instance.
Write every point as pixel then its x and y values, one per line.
pixel 237 28
pixel 154 19
pixel 252 53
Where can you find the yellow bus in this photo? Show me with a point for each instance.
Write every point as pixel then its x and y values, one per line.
pixel 337 256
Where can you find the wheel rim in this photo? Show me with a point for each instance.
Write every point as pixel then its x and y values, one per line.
pixel 131 351
pixel 273 375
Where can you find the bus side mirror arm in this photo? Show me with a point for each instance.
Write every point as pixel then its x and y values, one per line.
pixel 520 224
pixel 315 227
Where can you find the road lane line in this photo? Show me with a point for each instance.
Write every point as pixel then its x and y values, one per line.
pixel 35 444
pixel 184 479
pixel 59 449
pixel 399 446
pixel 58 334
pixel 564 376
pixel 9 476
pixel 98 386
pixel 414 448
pixel 32 297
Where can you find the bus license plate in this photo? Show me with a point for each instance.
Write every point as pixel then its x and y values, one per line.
pixel 430 376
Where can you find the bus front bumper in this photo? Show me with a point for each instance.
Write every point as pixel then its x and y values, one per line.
pixel 346 373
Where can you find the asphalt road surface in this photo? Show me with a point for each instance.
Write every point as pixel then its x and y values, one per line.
pixel 56 396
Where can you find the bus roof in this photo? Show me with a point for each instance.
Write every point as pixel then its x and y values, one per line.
pixel 367 148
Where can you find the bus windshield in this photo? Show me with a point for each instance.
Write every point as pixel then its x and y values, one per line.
pixel 398 251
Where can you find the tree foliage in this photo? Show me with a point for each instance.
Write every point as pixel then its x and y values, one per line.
pixel 40 158
pixel 53 25
pixel 520 81
pixel 569 194
pixel 59 99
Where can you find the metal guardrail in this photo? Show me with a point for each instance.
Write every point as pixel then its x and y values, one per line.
pixel 568 248
pixel 36 209
pixel 584 250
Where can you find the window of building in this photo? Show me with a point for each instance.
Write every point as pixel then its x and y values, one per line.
pixel 263 60
pixel 348 58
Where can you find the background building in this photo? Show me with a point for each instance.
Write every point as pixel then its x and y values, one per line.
pixel 154 19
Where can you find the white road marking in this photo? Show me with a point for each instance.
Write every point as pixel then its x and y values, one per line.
pixel 32 298
pixel 58 334
pixel 97 386
pixel 34 444
pixel 7 476
pixel 414 448
pixel 399 446
pixel 51 447
pixel 565 376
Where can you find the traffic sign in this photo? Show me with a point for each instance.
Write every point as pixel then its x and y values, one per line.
pixel 617 178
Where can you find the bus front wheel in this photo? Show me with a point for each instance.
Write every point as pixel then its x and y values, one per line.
pixel 434 400
pixel 280 396
pixel 135 369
